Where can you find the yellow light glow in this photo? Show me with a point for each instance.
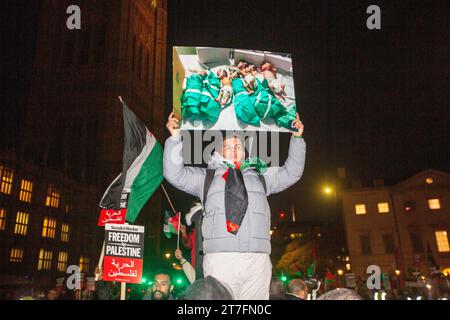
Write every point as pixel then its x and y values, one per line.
pixel 167 255
pixel 340 272
pixel 397 272
pixel 429 180
pixel 434 204
pixel 348 266
pixel 360 208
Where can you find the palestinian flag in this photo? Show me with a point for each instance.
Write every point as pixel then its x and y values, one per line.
pixel 171 221
pixel 141 168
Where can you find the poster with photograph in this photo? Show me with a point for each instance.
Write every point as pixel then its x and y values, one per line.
pixel 233 89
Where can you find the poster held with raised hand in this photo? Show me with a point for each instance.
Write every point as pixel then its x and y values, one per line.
pixel 233 89
pixel 124 252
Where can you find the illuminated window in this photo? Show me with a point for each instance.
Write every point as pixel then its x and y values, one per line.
pixel 442 241
pixel 360 208
pixel 62 261
pixel 45 260
pixel 21 225
pixel 65 232
pixel 6 180
pixel 296 235
pixel 84 264
pixel 26 188
pixel 52 199
pixel 16 255
pixel 434 204
pixel 49 228
pixel 383 207
pixel 2 219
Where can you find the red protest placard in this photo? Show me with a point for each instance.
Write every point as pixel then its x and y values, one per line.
pixel 122 269
pixel 111 216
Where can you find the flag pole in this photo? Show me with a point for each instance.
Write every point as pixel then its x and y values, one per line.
pixel 168 199
pixel 179 216
pixel 178 232
pixel 120 98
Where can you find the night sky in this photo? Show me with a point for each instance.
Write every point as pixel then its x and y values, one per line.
pixel 375 102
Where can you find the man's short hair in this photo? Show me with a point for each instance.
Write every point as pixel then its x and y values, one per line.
pixel 296 285
pixel 166 273
pixel 208 288
pixel 340 294
pixel 276 286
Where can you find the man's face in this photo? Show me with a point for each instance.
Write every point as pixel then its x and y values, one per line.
pixel 52 295
pixel 162 287
pixel 302 294
pixel 233 150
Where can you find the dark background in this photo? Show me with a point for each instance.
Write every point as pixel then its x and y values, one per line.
pixel 373 101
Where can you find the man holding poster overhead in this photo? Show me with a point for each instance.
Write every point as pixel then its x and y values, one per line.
pixel 236 222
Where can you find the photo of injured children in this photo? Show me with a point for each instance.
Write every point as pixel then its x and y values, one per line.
pixel 231 89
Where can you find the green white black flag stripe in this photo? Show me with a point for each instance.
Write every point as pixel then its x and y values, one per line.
pixel 141 168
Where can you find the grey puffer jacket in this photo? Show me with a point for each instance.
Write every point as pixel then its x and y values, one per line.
pixel 254 233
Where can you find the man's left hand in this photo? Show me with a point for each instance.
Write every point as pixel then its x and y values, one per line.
pixel 297 124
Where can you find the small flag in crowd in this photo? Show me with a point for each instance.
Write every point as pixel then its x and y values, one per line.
pixel 141 168
pixel 171 221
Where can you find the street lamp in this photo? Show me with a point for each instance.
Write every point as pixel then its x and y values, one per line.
pixel 167 255
pixel 327 190
pixel 340 272
pixel 397 272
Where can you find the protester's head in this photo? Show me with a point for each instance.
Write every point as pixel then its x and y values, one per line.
pixel 162 287
pixel 340 294
pixel 276 287
pixel 233 149
pixel 52 294
pixel 298 288
pixel 208 288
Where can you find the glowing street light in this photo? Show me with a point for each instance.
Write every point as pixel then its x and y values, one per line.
pixel 327 190
pixel 340 272
pixel 397 272
pixel 167 255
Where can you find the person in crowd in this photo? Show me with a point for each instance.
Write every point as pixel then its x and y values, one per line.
pixel 208 288
pixel 340 294
pixel 52 294
pixel 192 240
pixel 162 287
pixel 105 290
pixel 296 290
pixel 276 291
pixel 188 269
pixel 236 222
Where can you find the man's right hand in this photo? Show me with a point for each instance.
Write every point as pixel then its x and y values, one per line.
pixel 178 254
pixel 173 125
